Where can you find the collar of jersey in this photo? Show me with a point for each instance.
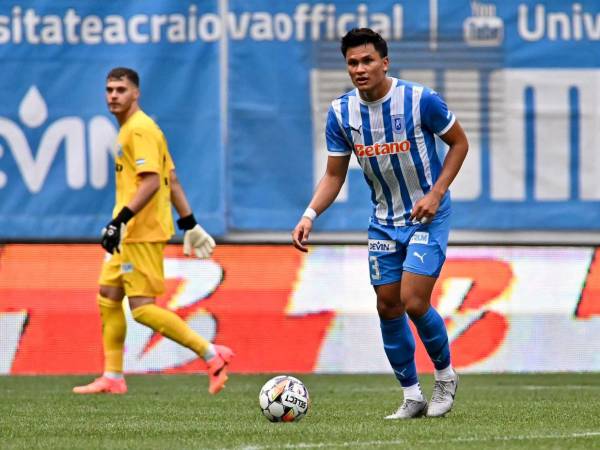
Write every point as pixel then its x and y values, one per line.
pixel 382 99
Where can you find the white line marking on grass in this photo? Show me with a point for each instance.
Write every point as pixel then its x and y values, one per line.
pixel 582 434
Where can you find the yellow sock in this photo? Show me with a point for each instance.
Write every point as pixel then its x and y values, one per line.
pixel 114 329
pixel 172 326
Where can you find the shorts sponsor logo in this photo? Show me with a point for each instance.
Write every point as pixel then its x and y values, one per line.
pixel 139 162
pixel 421 257
pixel 366 151
pixel 377 245
pixel 420 237
pixel 126 268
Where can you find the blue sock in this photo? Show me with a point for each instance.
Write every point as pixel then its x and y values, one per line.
pixel 399 346
pixel 432 332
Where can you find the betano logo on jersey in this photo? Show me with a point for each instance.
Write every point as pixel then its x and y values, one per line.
pixel 366 151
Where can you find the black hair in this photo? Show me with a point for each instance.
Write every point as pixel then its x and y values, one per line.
pixel 362 36
pixel 123 72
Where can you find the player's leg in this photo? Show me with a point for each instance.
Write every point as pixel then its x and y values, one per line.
pixel 399 346
pixel 416 294
pixel 385 261
pixel 143 283
pixel 114 329
pixel 425 257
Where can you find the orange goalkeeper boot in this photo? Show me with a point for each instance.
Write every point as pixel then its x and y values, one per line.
pixel 103 385
pixel 217 368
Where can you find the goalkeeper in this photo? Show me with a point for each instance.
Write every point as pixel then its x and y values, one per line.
pixel 146 187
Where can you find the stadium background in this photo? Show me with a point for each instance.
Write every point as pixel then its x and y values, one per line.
pixel 240 88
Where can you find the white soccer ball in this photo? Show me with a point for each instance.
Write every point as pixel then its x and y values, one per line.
pixel 284 399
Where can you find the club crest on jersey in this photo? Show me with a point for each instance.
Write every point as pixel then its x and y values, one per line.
pixel 398 123
pixel 127 267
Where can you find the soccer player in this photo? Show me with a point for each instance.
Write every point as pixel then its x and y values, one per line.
pixel 390 126
pixel 146 186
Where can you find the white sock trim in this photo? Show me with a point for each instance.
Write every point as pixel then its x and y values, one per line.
pixel 113 375
pixel 446 374
pixel 413 392
pixel 211 352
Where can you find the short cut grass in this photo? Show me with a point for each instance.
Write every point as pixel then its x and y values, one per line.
pixel 496 411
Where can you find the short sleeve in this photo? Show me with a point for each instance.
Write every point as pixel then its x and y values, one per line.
pixel 337 142
pixel 435 114
pixel 146 151
pixel 169 164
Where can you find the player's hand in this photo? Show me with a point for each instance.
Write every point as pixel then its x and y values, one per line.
pixel 112 235
pixel 195 238
pixel 114 231
pixel 301 233
pixel 198 241
pixel 424 210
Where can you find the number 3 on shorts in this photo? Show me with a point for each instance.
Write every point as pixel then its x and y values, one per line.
pixel 374 265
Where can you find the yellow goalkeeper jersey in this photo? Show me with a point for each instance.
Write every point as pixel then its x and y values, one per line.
pixel 142 147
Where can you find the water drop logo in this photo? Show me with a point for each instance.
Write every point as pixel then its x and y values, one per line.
pixel 68 133
pixel 33 111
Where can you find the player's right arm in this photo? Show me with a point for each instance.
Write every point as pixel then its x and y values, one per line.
pixel 114 231
pixel 326 192
pixel 340 149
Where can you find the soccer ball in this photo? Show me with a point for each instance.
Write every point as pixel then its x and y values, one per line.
pixel 284 399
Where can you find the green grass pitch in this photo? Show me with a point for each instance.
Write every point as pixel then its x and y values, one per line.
pixel 544 411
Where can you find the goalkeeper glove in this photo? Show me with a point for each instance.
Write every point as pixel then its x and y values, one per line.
pixel 113 233
pixel 195 238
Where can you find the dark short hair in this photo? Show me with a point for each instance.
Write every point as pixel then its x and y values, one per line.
pixel 363 36
pixel 123 72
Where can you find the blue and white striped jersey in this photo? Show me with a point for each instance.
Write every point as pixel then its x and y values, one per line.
pixel 393 140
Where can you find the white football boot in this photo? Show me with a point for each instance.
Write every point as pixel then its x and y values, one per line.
pixel 442 397
pixel 410 409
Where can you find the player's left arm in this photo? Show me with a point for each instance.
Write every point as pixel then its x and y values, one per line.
pixel 443 122
pixel 195 238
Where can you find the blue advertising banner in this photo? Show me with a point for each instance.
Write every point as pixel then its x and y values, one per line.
pixel 241 90
pixel 56 134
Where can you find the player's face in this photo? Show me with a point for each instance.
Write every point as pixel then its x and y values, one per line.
pixel 367 68
pixel 121 95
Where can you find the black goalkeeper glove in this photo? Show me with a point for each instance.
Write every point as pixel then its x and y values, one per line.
pixel 113 233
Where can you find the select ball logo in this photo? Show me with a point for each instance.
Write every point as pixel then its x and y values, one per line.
pixel 290 399
pixel 284 399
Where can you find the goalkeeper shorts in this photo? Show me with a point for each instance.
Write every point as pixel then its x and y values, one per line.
pixel 138 269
